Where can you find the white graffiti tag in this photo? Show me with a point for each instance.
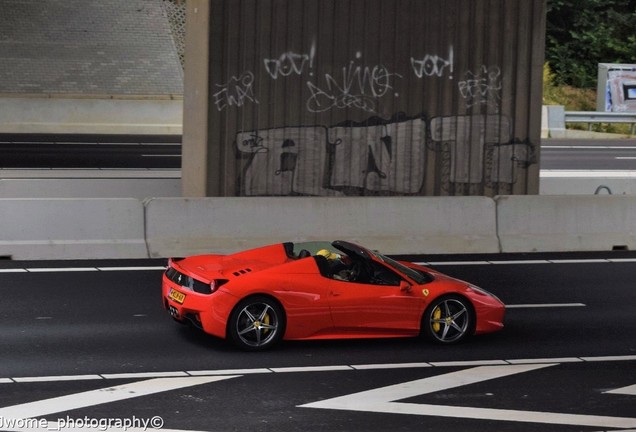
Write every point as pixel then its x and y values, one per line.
pixel 357 86
pixel 287 64
pixel 482 88
pixel 433 65
pixel 290 63
pixel 235 92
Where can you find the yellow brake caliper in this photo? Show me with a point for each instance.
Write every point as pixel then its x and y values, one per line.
pixel 266 322
pixel 437 314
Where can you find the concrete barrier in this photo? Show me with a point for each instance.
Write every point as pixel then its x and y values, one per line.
pixel 72 229
pixel 566 223
pixel 394 225
pixel 35 229
pixel 587 183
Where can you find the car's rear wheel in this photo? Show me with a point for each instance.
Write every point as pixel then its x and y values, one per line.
pixel 256 323
pixel 448 319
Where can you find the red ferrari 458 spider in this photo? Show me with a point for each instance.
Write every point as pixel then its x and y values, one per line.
pixel 322 290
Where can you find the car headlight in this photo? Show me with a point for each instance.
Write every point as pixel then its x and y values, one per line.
pixel 484 292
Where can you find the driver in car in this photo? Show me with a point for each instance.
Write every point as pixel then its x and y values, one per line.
pixel 340 266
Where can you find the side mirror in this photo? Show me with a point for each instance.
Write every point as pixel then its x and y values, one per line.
pixel 405 286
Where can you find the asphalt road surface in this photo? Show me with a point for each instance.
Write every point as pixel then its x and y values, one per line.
pixel 25 151
pixel 59 151
pixel 601 155
pixel 87 344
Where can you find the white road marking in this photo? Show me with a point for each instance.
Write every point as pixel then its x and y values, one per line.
pixel 609 358
pixel 229 372
pixel 101 396
pixel 56 378
pixel 383 400
pixel 469 363
pixel 391 366
pixel 325 368
pixel 359 401
pixel 586 174
pixel 578 261
pixel 629 390
pixel 144 375
pixel 585 147
pixel 520 262
pixel 80 269
pixel 60 269
pixel 544 305
pixel 546 360
pixel 137 268
pixel 310 369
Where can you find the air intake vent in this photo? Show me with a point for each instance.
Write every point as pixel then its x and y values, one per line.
pixel 242 272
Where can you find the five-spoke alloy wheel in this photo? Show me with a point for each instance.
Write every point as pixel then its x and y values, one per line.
pixel 256 323
pixel 448 320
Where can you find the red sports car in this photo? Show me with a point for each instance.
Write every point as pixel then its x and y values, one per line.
pixel 322 290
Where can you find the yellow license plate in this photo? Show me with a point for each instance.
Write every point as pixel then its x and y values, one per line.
pixel 177 296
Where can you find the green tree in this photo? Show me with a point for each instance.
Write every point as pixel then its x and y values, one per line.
pixel 582 33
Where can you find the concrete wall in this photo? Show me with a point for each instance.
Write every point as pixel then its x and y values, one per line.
pixel 394 225
pixel 91 116
pixel 77 183
pixel 362 96
pixel 587 183
pixel 162 227
pixel 167 183
pixel 88 47
pixel 72 228
pixel 566 223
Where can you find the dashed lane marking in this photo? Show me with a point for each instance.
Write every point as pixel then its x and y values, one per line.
pixel 305 369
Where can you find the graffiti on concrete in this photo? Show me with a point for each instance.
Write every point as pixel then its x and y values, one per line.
pixel 433 65
pixel 379 156
pixel 482 87
pixel 463 153
pixel 354 85
pixel 236 92
pixel 290 63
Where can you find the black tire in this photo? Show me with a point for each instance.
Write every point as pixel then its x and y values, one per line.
pixel 256 323
pixel 449 319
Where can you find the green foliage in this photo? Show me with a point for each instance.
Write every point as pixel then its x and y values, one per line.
pixel 582 33
pixel 572 98
pixel 576 99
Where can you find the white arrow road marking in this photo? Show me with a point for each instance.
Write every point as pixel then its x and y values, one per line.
pixel 382 400
pixel 629 390
pixel 97 397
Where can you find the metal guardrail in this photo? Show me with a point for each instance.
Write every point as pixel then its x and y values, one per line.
pixel 591 117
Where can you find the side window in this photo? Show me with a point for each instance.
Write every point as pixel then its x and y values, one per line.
pixel 380 275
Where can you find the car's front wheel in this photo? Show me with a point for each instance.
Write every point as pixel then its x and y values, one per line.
pixel 256 323
pixel 449 319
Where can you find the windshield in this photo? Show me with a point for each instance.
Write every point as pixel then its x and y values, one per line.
pixel 411 273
